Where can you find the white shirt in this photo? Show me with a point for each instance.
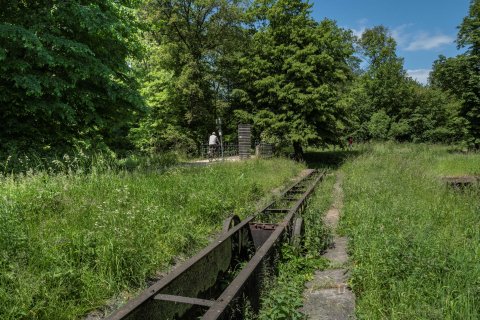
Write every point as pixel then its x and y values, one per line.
pixel 213 139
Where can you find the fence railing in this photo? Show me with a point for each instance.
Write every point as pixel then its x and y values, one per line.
pixel 264 150
pixel 229 150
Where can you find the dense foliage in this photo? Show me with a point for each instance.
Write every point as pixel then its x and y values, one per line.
pixel 82 74
pixel 460 75
pixel 64 77
pixel 293 75
pixel 387 104
pixel 188 67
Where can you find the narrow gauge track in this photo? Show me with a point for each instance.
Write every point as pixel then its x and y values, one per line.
pixel 224 279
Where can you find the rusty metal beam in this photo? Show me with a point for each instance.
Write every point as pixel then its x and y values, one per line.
pixel 296 191
pixel 184 280
pixel 170 297
pixel 290 199
pixel 186 300
pixel 237 286
pixel 282 210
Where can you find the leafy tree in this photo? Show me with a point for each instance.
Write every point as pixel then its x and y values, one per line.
pixel 387 104
pixel 378 47
pixel 64 74
pixel 461 75
pixel 164 127
pixel 292 76
pixel 385 79
pixel 469 33
pixel 380 94
pixel 435 117
pixel 379 125
pixel 188 69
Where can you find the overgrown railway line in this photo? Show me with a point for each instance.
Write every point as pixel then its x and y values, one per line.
pixel 224 279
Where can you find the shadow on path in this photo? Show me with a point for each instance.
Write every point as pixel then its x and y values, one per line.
pixel 329 159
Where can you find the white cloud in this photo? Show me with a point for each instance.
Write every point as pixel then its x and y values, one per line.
pixel 362 23
pixel 408 39
pixel 418 40
pixel 358 32
pixel 421 75
pixel 400 35
pixel 425 41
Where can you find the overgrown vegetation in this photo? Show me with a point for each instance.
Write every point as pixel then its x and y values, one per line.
pixel 151 76
pixel 283 294
pixel 65 80
pixel 70 241
pixel 459 75
pixel 81 163
pixel 414 241
pixel 284 298
pixel 128 81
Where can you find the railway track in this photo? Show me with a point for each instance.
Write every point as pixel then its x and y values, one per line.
pixel 224 279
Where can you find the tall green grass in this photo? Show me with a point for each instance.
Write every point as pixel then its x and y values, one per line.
pixel 70 241
pixel 81 162
pixel 458 164
pixel 415 242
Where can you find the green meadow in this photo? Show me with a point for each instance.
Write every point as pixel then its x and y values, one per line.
pixel 415 242
pixel 70 241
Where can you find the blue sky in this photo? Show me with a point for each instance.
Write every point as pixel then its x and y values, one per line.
pixel 423 29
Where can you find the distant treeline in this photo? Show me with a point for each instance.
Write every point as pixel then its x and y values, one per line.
pixel 154 75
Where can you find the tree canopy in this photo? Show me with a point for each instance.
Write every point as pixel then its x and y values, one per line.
pixel 153 75
pixel 387 104
pixel 460 75
pixel 65 76
pixel 292 76
pixel 188 67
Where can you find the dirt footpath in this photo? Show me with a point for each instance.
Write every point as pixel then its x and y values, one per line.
pixel 327 295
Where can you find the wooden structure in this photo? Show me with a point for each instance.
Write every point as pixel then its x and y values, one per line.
pixel 244 140
pixel 264 150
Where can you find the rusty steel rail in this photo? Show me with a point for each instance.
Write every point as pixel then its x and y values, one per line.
pixel 246 280
pixel 206 285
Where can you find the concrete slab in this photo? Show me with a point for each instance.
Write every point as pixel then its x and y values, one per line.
pixel 330 304
pixel 327 296
pixel 337 254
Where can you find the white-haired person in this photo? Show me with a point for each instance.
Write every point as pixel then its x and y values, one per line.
pixel 213 143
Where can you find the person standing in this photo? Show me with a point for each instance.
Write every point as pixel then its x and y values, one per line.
pixel 213 143
pixel 350 143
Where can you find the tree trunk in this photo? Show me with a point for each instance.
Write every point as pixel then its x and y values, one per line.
pixel 298 151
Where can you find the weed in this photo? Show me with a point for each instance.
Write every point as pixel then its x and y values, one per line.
pixel 282 295
pixel 285 298
pixel 415 242
pixel 70 241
